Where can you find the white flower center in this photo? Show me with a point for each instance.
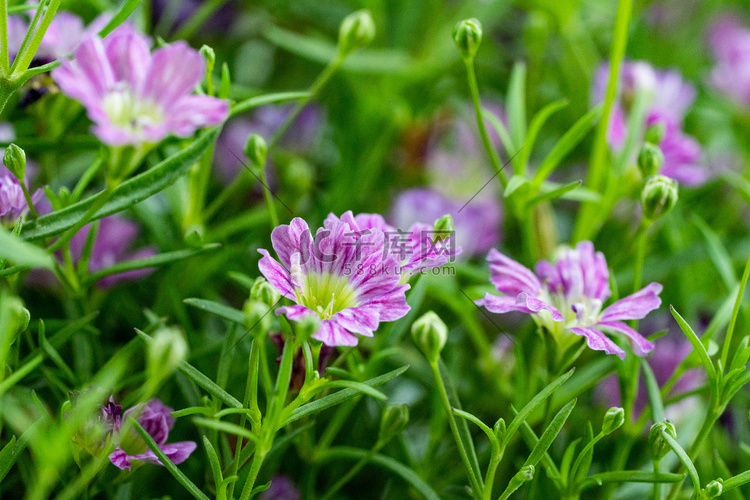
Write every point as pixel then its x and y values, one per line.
pixel 129 111
pixel 326 294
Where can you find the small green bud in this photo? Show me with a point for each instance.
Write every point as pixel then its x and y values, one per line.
pixel 392 421
pixel 613 419
pixel 468 35
pixel 357 31
pixel 430 334
pixel 655 133
pixel 444 224
pixel 257 316
pixel 263 291
pixel 713 489
pixel 308 326
pixel 166 351
pixel 14 159
pixel 210 56
pixel 14 317
pixel 499 430
pixel 657 446
pixel 650 159
pixel 256 150
pixel 659 196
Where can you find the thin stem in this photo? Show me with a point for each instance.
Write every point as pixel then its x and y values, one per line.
pixel 497 165
pixel 489 478
pixel 24 59
pixel 4 56
pixel 445 401
pixel 735 313
pixel 267 195
pixel 596 175
pixel 640 254
pixel 657 485
pixel 26 195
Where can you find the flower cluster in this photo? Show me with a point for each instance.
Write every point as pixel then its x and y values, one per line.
pixel 567 297
pixel 156 419
pixel 134 96
pixel 670 99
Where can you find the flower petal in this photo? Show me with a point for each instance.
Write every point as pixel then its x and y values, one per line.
pixel 174 72
pixel 597 341
pixel 535 305
pixel 120 459
pixel 333 334
pixel 641 345
pixel 510 277
pixel 276 274
pixel 176 452
pixel 294 313
pixel 636 305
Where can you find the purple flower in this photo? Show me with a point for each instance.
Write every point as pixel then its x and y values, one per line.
pixel 282 488
pixel 112 245
pixel 112 415
pixel 567 297
pixel 156 419
pixel 134 96
pixel 299 139
pixel 65 33
pixel 346 278
pixel 671 98
pixel 477 224
pixel 12 201
pixel 730 44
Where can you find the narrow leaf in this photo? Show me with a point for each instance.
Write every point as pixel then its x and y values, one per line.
pixel 226 312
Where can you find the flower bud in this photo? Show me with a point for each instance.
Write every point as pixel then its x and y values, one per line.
pixel 429 334
pixel 713 489
pixel 357 31
pixel 444 224
pixel 613 419
pixel 468 35
pixel 256 150
pixel 659 196
pixel 14 319
pixel 392 421
pixel 257 316
pixel 650 159
pixel 655 133
pixel 262 291
pixel 166 351
pixel 14 159
pixel 499 430
pixel 657 446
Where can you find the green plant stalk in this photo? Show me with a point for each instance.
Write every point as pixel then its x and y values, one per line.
pixel 497 165
pixel 4 56
pixel 589 446
pixel 29 32
pixel 474 481
pixel 26 195
pixel 640 254
pixel 489 478
pixel 596 174
pixel 735 313
pixel 198 183
pixel 657 485
pixel 267 196
pixel 23 60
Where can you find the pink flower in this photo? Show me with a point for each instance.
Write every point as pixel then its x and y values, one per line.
pixel 730 44
pixel 344 277
pixel 134 96
pixel 567 297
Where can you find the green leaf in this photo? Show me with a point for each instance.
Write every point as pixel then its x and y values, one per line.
pixel 394 466
pixel 473 419
pixel 555 193
pixel 152 261
pixel 168 464
pixel 514 183
pixel 193 410
pixel 565 145
pixel 535 403
pixel 631 476
pixel 685 459
pixel 339 397
pixel 718 253
pixel 226 312
pixel 654 393
pixel 213 460
pixel 502 132
pixel 357 386
pixel 127 194
pixel 535 127
pixel 262 100
pixel 119 18
pixel 697 344
pixel 516 104
pixel 200 379
pixel 228 427
pixel 21 253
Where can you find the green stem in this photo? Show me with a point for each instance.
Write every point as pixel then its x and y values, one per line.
pixel 596 175
pixel 26 195
pixel 735 313
pixel 445 401
pixel 657 485
pixel 640 254
pixel 267 195
pixel 23 60
pixel 4 56
pixel 489 478
pixel 497 165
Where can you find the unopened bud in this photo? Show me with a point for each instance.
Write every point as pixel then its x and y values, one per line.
pixel 14 318
pixel 499 430
pixel 392 421
pixel 14 159
pixel 650 159
pixel 210 56
pixel 166 351
pixel 263 291
pixel 657 445
pixel 256 150
pixel 468 35
pixel 713 489
pixel 430 334
pixel 659 196
pixel 444 224
pixel 655 133
pixel 613 419
pixel 357 31
pixel 257 316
